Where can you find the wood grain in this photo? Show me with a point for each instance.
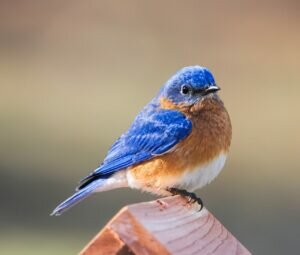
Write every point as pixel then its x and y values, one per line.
pixel 165 226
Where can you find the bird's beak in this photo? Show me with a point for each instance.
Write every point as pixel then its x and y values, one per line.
pixel 211 89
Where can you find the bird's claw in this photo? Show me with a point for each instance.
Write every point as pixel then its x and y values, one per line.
pixel 191 197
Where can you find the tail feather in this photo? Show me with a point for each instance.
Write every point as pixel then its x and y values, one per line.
pixel 77 197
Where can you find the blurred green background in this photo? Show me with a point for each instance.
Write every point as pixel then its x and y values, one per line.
pixel 73 75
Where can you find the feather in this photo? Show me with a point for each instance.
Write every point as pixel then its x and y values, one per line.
pixel 77 197
pixel 152 133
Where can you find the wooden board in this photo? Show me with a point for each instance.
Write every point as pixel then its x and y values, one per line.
pixel 164 226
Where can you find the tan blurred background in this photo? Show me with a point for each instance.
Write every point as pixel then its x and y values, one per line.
pixel 73 75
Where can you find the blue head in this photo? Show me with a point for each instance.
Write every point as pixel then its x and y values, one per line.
pixel 189 85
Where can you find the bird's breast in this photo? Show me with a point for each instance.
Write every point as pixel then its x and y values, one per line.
pixel 194 161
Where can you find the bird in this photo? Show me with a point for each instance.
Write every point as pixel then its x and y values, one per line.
pixel 176 144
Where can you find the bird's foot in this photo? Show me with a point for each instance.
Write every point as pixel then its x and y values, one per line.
pixel 191 197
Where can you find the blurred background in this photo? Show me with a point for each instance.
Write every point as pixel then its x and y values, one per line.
pixel 73 75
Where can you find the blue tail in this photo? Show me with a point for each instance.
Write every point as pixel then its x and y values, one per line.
pixel 77 197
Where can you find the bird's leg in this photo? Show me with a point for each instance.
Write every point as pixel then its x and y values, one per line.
pixel 191 197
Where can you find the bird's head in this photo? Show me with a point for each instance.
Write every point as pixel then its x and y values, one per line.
pixel 189 85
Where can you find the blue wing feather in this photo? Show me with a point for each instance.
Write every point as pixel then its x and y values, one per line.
pixel 152 133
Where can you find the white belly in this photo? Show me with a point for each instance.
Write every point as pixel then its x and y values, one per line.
pixel 191 180
pixel 200 176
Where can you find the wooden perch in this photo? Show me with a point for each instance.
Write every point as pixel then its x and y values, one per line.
pixel 161 227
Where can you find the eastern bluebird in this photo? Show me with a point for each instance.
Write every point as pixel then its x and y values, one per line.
pixel 176 144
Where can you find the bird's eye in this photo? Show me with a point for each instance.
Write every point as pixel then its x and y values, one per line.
pixel 185 90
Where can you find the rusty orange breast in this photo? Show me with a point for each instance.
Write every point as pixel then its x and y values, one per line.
pixel 210 136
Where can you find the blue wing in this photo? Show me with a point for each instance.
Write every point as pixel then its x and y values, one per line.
pixel 151 134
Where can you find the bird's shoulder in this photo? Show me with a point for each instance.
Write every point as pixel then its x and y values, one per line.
pixel 152 130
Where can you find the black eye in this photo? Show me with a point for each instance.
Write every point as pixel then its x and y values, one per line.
pixel 185 90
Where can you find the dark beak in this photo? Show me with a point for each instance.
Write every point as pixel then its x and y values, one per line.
pixel 211 89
